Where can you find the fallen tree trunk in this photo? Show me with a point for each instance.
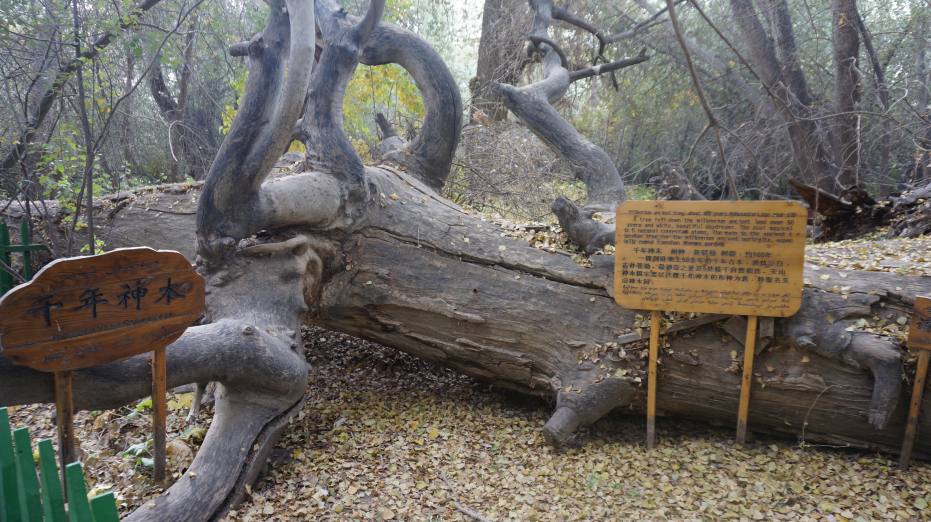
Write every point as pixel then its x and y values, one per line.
pixel 427 278
pixel 854 213
pixel 377 253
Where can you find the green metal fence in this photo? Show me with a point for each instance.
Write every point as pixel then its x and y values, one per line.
pixel 28 497
pixel 25 248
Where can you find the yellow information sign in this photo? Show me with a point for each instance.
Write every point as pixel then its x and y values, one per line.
pixel 725 257
pixel 720 257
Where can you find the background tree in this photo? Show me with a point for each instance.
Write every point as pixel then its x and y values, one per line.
pixel 501 57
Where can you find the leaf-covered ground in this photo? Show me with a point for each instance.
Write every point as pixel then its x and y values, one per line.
pixel 875 253
pixel 385 436
pixel 116 445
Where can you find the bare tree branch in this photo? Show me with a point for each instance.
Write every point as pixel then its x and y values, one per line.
pixel 65 73
pixel 700 91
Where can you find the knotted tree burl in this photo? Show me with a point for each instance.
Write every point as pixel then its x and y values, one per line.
pixel 376 252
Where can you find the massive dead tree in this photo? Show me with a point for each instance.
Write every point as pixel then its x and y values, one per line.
pixel 376 252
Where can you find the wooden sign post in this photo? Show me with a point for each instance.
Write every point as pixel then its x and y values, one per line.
pixel 87 311
pixel 722 257
pixel 919 337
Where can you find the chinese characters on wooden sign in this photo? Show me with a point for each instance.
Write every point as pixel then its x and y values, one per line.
pixel 726 257
pixel 83 312
pixel 723 257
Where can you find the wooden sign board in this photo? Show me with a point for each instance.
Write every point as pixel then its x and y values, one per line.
pixel 721 257
pixel 919 334
pixel 919 338
pixel 87 311
pixel 725 257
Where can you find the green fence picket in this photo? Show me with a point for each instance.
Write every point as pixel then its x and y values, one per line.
pixel 26 467
pixel 26 248
pixel 53 499
pixel 79 509
pixel 104 508
pixel 10 510
pixel 22 499
pixel 6 279
pixel 25 239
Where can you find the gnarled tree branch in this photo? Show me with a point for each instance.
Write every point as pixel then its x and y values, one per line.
pixel 260 133
pixel 328 148
pixel 532 104
pixel 429 156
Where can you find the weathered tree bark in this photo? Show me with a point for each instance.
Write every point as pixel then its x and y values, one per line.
pixel 500 56
pixel 846 91
pixel 533 105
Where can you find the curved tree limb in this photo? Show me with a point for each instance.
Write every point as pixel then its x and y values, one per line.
pixel 596 70
pixel 328 148
pixel 532 104
pixel 562 13
pixel 429 156
pixel 261 378
pixel 262 129
pixel 536 40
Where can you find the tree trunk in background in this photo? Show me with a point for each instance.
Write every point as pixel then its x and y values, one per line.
pixel 922 86
pixel 846 92
pixel 184 85
pixel 787 83
pixel 87 133
pixel 505 25
pixel 186 135
pixel 129 158
pixel 882 91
